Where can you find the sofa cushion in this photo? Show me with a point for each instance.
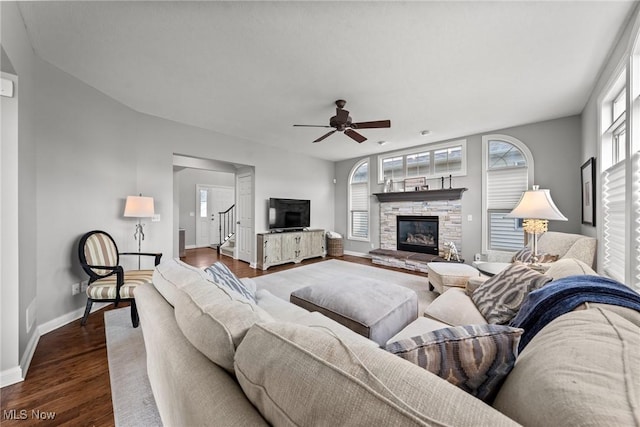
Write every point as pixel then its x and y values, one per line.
pixel 569 267
pixel 215 319
pixel 581 369
pixel 455 308
pixel 297 375
pixel 500 297
pixel 220 273
pixel 172 275
pixel 475 358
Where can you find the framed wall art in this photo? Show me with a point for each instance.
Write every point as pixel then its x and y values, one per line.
pixel 588 181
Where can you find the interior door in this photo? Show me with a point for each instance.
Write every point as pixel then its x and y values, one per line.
pixel 244 228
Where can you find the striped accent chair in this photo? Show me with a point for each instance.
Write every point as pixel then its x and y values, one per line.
pixel 108 282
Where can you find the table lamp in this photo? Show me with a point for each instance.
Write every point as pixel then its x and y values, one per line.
pixel 139 207
pixel 536 208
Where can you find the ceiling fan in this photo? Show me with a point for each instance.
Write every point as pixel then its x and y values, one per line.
pixel 342 122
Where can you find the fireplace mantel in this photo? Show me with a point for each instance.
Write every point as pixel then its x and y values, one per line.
pixel 421 196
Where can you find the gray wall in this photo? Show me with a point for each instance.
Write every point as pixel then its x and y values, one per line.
pixel 555 146
pixel 188 179
pixel 82 153
pixel 16 48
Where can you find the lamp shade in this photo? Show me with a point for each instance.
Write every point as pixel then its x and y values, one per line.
pixel 139 207
pixel 536 204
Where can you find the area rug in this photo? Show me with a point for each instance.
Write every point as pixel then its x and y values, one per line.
pixel 133 403
pixel 282 283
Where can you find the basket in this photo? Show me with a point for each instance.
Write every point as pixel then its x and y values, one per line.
pixel 335 247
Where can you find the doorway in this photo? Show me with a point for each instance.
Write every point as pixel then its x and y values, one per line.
pixel 210 201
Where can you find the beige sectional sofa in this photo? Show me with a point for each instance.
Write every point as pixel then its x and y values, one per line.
pixel 214 358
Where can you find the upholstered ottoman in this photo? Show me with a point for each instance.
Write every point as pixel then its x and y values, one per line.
pixel 373 309
pixel 445 275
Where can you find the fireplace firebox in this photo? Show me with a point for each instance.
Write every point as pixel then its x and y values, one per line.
pixel 417 234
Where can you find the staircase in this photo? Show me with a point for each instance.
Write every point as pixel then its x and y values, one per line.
pixel 228 247
pixel 228 230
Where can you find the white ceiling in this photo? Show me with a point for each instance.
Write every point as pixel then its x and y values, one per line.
pixel 253 69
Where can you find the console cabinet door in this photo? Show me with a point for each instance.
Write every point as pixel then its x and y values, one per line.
pixel 291 246
pixel 269 250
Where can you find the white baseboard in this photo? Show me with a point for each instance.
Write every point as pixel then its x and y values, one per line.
pixel 19 373
pixel 11 376
pixel 65 319
pixel 358 254
pixel 190 246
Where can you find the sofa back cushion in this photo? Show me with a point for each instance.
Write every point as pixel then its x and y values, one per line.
pixel 215 319
pixel 569 267
pixel 172 275
pixel 297 375
pixel 581 369
pixel 568 245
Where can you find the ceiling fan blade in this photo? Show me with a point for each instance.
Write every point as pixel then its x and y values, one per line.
pixel 355 135
pixel 371 125
pixel 312 126
pixel 325 136
pixel 342 115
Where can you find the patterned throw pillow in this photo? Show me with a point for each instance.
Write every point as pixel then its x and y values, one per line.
pixel 526 255
pixel 475 358
pixel 500 297
pixel 221 274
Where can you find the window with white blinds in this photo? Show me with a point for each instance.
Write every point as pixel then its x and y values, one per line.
pixel 359 201
pixel 614 221
pixel 636 215
pixel 504 189
pixel 507 173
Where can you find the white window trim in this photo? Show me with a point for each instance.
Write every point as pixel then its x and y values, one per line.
pixel 349 225
pixel 424 148
pixel 530 171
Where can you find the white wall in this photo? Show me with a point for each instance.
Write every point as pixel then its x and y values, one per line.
pixel 589 145
pixel 555 146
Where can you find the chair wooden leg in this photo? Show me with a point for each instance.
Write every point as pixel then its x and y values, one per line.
pixel 134 314
pixel 87 311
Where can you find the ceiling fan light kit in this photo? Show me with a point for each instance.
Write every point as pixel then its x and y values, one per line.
pixel 342 122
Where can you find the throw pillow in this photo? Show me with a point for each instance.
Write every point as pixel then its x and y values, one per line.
pixel 526 255
pixel 500 297
pixel 221 274
pixel 475 358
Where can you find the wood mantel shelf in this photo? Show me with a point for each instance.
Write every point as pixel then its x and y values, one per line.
pixel 421 196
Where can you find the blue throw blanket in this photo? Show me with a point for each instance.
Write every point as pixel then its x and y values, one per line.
pixel 563 295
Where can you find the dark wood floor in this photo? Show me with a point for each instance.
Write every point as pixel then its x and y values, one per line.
pixel 69 376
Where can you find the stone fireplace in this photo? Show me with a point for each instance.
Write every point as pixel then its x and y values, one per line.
pixel 417 234
pixel 434 218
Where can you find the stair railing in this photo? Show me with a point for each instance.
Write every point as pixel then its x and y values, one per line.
pixel 227 224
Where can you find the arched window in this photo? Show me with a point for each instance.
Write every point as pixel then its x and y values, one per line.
pixel 359 201
pixel 507 166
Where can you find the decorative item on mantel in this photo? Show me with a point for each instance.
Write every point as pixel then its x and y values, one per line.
pixel 414 184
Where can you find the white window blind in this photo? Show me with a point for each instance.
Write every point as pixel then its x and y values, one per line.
pixel 360 210
pixel 359 201
pixel 503 191
pixel 614 221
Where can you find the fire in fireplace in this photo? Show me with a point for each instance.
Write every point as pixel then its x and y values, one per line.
pixel 417 234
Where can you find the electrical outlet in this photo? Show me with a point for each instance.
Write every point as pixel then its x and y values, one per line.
pixel 75 289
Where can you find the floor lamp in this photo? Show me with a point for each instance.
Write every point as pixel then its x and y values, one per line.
pixel 139 207
pixel 536 208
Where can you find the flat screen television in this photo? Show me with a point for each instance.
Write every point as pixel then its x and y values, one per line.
pixel 289 214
